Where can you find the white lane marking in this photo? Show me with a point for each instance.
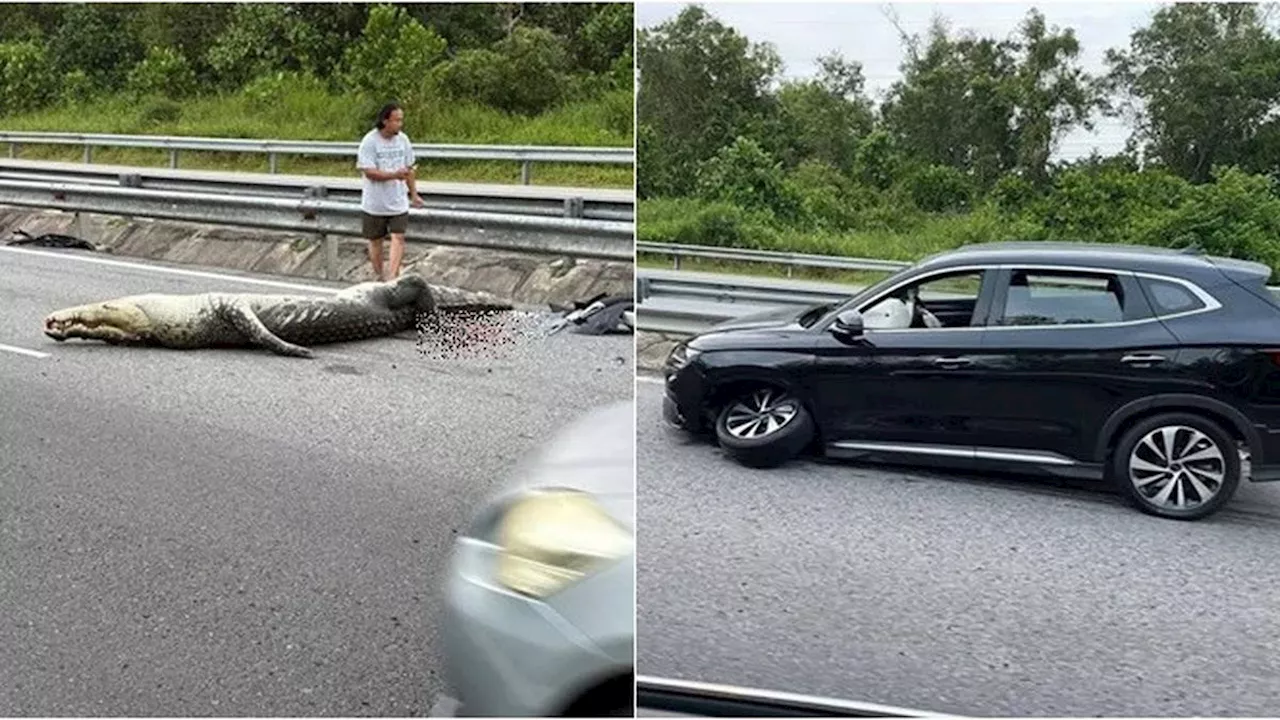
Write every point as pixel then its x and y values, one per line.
pixel 23 351
pixel 650 380
pixel 171 271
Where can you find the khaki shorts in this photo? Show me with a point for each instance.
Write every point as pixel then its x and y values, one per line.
pixel 376 227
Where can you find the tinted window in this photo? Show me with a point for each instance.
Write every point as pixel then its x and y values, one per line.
pixel 1169 298
pixel 1062 298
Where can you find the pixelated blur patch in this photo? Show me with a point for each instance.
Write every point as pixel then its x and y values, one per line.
pixel 470 334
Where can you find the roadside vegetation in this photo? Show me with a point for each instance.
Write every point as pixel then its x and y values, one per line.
pixel 502 74
pixel 961 150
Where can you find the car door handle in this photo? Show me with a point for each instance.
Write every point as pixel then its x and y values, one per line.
pixel 952 362
pixel 1141 359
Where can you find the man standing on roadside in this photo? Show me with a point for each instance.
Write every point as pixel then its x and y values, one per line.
pixel 388 182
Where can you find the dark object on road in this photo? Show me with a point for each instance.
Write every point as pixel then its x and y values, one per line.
pixel 1157 370
pixel 601 315
pixel 280 323
pixel 53 240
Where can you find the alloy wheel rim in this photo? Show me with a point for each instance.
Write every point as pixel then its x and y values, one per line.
pixel 1177 468
pixel 762 413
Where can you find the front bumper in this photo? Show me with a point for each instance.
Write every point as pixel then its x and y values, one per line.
pixel 682 398
pixel 508 655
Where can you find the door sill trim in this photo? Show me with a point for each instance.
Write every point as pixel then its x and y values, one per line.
pixel 1030 457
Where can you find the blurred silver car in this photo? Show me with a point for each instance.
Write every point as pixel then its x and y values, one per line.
pixel 539 607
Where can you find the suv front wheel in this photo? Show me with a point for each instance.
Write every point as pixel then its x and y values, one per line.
pixel 764 427
pixel 1177 465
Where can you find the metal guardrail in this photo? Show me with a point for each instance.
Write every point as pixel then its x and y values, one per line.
pixel 525 155
pixel 327 219
pixel 686 303
pixel 790 260
pixel 518 200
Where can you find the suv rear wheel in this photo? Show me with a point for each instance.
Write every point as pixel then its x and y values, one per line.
pixel 764 427
pixel 1177 465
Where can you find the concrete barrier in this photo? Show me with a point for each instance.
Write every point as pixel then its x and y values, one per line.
pixel 515 277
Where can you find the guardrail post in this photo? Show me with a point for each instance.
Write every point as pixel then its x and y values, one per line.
pixel 133 180
pixel 675 257
pixel 574 207
pixel 330 242
pixel 525 172
pixel 272 166
pixel 642 289
pixel 13 149
pixel 173 159
pixel 88 154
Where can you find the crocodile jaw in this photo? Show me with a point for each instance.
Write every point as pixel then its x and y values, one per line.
pixel 117 321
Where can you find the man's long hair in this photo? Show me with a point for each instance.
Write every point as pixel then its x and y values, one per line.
pixel 385 113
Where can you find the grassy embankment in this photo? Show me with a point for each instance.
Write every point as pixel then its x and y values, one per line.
pixel 696 222
pixel 604 122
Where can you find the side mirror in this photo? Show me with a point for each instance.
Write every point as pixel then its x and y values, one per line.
pixel 848 325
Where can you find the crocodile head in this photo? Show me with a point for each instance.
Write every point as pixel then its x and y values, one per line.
pixel 114 321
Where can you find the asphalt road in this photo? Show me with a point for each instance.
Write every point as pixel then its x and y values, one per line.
pixel 948 593
pixel 230 532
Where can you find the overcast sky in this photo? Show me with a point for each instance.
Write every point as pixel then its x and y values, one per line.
pixel 861 31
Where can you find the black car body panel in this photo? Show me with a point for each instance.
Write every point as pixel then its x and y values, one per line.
pixel 1014 385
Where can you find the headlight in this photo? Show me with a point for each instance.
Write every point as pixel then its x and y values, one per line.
pixel 551 539
pixel 681 355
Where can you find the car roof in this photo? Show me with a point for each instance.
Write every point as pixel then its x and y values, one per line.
pixel 1107 255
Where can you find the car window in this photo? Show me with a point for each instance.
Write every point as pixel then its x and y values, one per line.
pixel 1062 298
pixel 1170 298
pixel 938 301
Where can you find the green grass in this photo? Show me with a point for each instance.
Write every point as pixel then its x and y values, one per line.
pixel 697 222
pixel 755 269
pixel 318 115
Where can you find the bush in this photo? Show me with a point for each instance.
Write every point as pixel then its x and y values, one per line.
pixel 828 200
pixel 692 222
pixel 92 37
pixel 877 161
pixel 262 38
pixel 525 73
pixel 1105 205
pixel 941 188
pixel 1238 216
pixel 77 87
pixel 394 57
pixel 164 71
pixel 1012 194
pixel 27 78
pixel 745 175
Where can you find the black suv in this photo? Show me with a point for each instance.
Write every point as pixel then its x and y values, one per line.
pixel 1157 369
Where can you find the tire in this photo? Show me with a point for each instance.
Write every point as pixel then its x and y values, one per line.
pixel 764 428
pixel 1141 468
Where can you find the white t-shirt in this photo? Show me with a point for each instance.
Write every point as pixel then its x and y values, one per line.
pixel 384 197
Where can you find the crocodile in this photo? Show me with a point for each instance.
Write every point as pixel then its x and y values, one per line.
pixel 284 324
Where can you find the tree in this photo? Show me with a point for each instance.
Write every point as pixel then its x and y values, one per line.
pixel 261 38
pixel 823 118
pixel 988 106
pixel 701 86
pixel 95 39
pixel 1202 83
pixel 1052 95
